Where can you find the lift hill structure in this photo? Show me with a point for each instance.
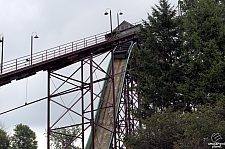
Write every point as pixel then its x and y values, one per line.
pixel 112 118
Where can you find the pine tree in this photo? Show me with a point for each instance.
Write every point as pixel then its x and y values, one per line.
pixel 194 78
pixel 156 63
pixel 203 57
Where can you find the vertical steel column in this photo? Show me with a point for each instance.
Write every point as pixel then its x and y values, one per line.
pixel 31 50
pixel 119 133
pixel 128 105
pixel 2 41
pixel 48 112
pixel 92 104
pixel 132 100
pixel 82 104
pixel 125 104
pixel 114 99
pixel 110 21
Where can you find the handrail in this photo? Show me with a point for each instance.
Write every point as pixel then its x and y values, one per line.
pixel 22 62
pixel 48 54
pixel 52 53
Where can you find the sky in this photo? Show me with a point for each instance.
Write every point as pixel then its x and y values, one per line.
pixel 56 22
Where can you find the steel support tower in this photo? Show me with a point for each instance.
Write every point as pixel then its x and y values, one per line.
pixel 92 98
pixel 97 85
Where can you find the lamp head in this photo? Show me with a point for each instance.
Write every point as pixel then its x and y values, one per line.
pixel 36 36
pixel 106 11
pixel 120 13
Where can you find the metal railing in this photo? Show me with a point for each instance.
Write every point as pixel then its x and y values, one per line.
pixel 48 54
pixel 54 52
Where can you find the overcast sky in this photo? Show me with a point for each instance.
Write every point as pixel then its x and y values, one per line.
pixel 56 22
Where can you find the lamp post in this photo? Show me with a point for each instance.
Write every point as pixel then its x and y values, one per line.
pixel 110 17
pixel 2 41
pixel 36 36
pixel 113 83
pixel 118 13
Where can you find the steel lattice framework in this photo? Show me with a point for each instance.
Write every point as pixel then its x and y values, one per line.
pixel 98 96
pixel 89 102
pixel 126 122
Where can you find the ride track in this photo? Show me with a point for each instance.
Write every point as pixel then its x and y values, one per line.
pixel 111 119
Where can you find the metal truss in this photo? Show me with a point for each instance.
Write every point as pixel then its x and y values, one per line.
pixel 126 122
pixel 79 97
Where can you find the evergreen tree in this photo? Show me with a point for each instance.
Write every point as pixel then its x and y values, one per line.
pixel 195 79
pixel 203 55
pixel 156 63
pixel 4 140
pixel 23 138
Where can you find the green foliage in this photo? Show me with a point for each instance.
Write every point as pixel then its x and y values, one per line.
pixel 4 140
pixel 157 132
pixel 199 126
pixel 186 5
pixel 60 138
pixel 23 138
pixel 179 70
pixel 175 130
pixel 203 55
pixel 156 64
